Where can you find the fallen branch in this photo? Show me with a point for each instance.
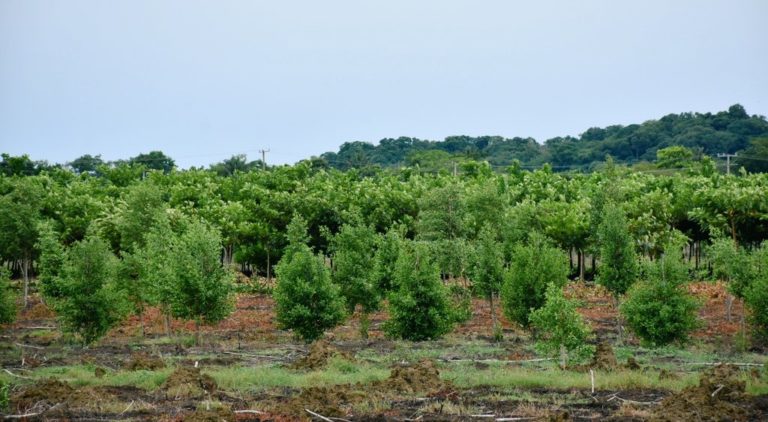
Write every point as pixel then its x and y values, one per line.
pixel 482 416
pixel 17 376
pixel 317 415
pixel 724 363
pixel 512 419
pixel 31 415
pixel 249 411
pixel 720 387
pixel 29 346
pixel 127 408
pixel 639 403
pixel 498 360
pixel 35 327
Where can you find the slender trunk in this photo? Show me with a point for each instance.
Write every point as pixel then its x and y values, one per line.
pixel 365 323
pixel 167 323
pixel 197 332
pixel 563 356
pixel 620 338
pixel 594 271
pixel 570 256
pixel 269 275
pixel 733 232
pixel 25 274
pixel 728 306
pixel 581 265
pixel 494 320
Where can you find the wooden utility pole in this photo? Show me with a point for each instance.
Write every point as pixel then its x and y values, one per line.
pixel 264 158
pixel 727 161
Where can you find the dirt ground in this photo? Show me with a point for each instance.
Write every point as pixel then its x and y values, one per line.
pixel 413 390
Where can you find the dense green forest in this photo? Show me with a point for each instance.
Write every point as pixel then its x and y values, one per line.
pixel 731 131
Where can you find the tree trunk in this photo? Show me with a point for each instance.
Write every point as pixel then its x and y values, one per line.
pixel 563 356
pixel 728 306
pixel 197 332
pixel 25 274
pixel 269 274
pixel 620 339
pixel 581 265
pixel 167 323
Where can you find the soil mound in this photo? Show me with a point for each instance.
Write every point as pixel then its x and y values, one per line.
pixel 327 401
pixel 143 361
pixel 418 377
pixel 187 382
pixel 320 353
pixel 632 364
pixel 43 395
pixel 719 396
pixel 604 357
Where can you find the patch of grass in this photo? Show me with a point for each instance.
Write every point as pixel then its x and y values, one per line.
pixel 83 375
pixel 237 378
pixel 465 376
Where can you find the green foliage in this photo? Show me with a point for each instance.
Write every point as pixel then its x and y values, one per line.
pixel 154 160
pixel 143 207
pixel 419 309
pixel 202 288
pixel 385 260
pixel 51 260
pixel 731 264
pixel 7 298
pixel 755 157
pixel 307 302
pixel 488 268
pixel 90 302
pixel 560 328
pixel 353 258
pixel 674 157
pixel 534 266
pixel 659 309
pixel 618 262
pixel 756 292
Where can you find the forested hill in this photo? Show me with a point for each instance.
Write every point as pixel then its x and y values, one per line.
pixel 728 131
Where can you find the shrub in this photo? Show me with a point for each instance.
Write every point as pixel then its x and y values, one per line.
pixel 7 300
pixel 307 302
pixel 534 266
pixel 659 310
pixel 419 309
pixel 618 262
pixel 756 293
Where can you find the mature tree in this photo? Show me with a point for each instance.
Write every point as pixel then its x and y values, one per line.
pixel 154 160
pixel 307 302
pixel 353 258
pixel 90 303
pixel 86 164
pixel 755 157
pixel 534 266
pixel 488 271
pixel 419 309
pixel 20 212
pixel 142 208
pixel 560 328
pixel 674 157
pixel 7 298
pixel 659 309
pixel 236 163
pixel 202 287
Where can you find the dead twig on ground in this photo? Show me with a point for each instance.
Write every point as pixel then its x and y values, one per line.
pixel 317 415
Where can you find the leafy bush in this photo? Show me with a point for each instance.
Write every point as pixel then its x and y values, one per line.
pixel 90 303
pixel 307 301
pixel 560 329
pixel 534 266
pixel 419 309
pixel 660 310
pixel 488 270
pixel 618 262
pixel 756 293
pixel 7 299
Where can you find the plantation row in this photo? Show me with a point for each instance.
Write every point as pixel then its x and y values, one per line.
pixel 102 247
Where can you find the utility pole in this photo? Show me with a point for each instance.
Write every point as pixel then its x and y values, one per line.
pixel 455 169
pixel 727 161
pixel 264 158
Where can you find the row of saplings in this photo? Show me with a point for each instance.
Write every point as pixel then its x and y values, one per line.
pixel 176 266
pixel 654 301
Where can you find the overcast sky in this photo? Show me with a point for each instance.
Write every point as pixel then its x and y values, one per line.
pixel 203 80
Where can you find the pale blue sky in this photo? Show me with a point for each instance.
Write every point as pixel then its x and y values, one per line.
pixel 202 80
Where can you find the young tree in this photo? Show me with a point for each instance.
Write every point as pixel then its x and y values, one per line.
pixel 660 310
pixel 533 267
pixel 202 288
pixel 419 309
pixel 385 260
pixel 353 257
pixel 488 271
pixel 618 261
pixel 307 301
pixel 90 302
pixel 7 299
pixel 756 293
pixel 51 260
pixel 733 265
pixel 560 328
